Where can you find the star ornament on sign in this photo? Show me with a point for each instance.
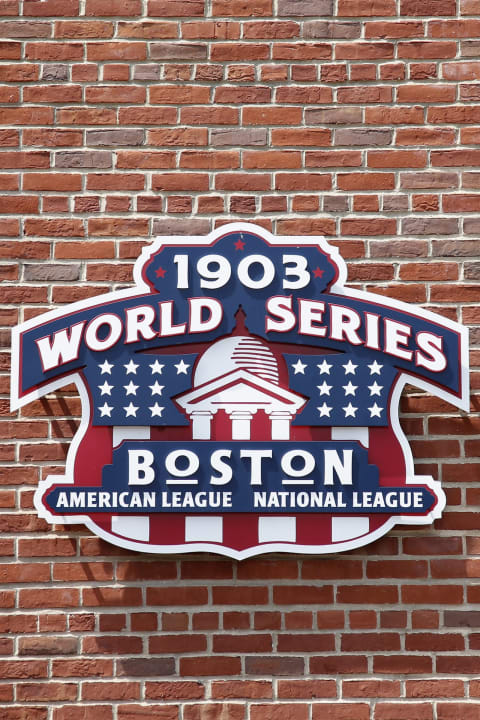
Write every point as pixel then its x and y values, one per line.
pixel 240 377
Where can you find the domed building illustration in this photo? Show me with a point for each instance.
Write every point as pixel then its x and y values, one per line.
pixel 239 375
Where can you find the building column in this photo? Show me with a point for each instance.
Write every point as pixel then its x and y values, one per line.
pixel 280 424
pixel 201 424
pixel 241 420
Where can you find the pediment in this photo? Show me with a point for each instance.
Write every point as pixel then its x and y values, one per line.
pixel 240 388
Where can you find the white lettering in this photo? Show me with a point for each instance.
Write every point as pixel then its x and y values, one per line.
pixel 280 307
pixel 430 355
pixel 140 471
pixel 311 311
pixel 343 468
pixel 139 321
pixel 397 334
pixel 256 457
pixel 197 306
pixel 62 348
pixel 220 466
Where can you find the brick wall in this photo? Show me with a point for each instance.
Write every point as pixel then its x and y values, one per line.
pixel 121 119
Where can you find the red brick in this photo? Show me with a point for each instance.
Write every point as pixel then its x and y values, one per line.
pixel 373 226
pixel 18 204
pixel 241 689
pixel 59 182
pixel 370 688
pixel 178 690
pixel 363 595
pixel 366 181
pixel 113 8
pixel 306 643
pixel 124 181
pixel 181 181
pixel 303 182
pixel 271 116
pixel 334 665
pixel 177 596
pixel 403 711
pixel 467 710
pixel 266 569
pixel 87 712
pixel 26 116
pixel 433 688
pixel 175 8
pixel 333 158
pixel 439 642
pixel 217 160
pixel 362 8
pixel 302 594
pixel 183 136
pixel 101 691
pixel 48 598
pixel 254 643
pixel 184 643
pixel 19 713
pixel 209 116
pixel 241 181
pixel 341 711
pixel 46 692
pixel 241 8
pixel 205 666
pixel 115 94
pixel 300 689
pixel 391 115
pixel 301 136
pixel 215 711
pixel 122 51
pixel 383 29
pixel 54 228
pixel 280 711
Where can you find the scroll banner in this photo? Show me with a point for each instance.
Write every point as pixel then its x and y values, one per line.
pixel 240 399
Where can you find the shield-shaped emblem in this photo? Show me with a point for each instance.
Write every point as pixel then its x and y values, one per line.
pixel 240 399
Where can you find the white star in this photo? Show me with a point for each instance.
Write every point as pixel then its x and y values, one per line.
pixel 156 410
pixel 299 367
pixel 324 410
pixel 375 368
pixel 350 389
pixel 350 368
pixel 156 367
pixel 105 410
pixel 324 388
pixel 324 367
pixel 156 388
pixel 375 410
pixel 130 410
pixel 375 389
pixel 350 410
pixel 106 367
pixel 182 367
pixel 131 367
pixel 131 389
pixel 105 389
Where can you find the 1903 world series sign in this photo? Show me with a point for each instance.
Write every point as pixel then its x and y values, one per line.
pixel 240 399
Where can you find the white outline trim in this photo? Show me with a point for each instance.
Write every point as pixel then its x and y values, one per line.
pixel 337 288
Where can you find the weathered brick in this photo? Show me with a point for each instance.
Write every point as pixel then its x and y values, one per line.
pixel 115 137
pixel 244 137
pixel 304 8
pixel 363 137
pixel 334 116
pixel 83 159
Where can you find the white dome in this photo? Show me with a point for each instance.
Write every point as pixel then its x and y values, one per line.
pixel 233 353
